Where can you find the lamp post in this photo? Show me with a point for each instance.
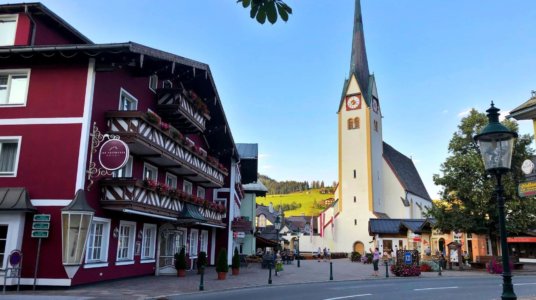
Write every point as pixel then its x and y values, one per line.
pixel 277 226
pixel 496 145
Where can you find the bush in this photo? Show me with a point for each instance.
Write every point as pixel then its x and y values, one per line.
pixel 432 266
pixel 355 257
pixel 406 270
pixel 180 260
pixel 495 266
pixel 236 260
pixel 202 260
pixel 221 264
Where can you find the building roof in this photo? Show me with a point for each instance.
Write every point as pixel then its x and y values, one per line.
pixel 39 10
pixel 405 171
pixel 15 199
pixel 247 151
pixel 395 226
pixel 526 111
pixel 256 187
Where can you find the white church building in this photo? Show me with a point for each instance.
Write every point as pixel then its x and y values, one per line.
pixel 375 180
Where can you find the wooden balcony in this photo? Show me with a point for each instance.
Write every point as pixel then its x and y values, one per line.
pixel 129 195
pixel 181 111
pixel 159 147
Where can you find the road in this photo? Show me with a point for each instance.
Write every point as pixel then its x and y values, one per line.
pixel 474 288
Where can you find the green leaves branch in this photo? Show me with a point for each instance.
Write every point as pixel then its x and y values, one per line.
pixel 267 9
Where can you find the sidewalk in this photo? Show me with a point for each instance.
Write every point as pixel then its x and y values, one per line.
pixel 158 287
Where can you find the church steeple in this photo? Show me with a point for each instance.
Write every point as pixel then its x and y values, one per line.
pixel 358 63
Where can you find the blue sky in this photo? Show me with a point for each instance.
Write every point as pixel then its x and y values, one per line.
pixel 281 84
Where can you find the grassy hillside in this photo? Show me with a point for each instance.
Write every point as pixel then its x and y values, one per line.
pixel 306 199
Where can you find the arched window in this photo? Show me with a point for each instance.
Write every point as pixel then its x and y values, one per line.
pixel 356 122
pixel 350 123
pixel 262 221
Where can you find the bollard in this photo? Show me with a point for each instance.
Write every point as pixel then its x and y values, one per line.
pixel 298 260
pixel 330 270
pixel 269 273
pixel 386 269
pixel 201 286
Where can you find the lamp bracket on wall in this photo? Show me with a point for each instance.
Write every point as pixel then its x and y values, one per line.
pixel 97 138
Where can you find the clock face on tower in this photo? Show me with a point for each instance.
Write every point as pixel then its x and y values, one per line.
pixel 353 102
pixel 375 105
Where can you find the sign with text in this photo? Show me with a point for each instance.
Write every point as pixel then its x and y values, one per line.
pixel 41 225
pixel 40 234
pixel 527 189
pixel 408 260
pixel 41 218
pixel 113 154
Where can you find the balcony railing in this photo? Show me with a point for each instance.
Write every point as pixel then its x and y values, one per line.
pixel 182 111
pixel 165 148
pixel 135 196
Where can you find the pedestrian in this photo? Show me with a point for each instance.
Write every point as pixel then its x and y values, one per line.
pixel 375 260
pixel 393 256
pixel 319 254
pixel 328 253
pixel 325 253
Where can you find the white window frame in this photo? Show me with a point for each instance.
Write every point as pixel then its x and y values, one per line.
pixel 148 166
pixel 4 251
pixel 153 82
pixel 11 17
pixel 125 171
pixel 194 241
pixel 201 192
pixel 15 72
pixel 129 97
pixel 148 243
pixel 18 140
pixel 105 240
pixel 203 239
pixel 130 245
pixel 167 84
pixel 171 180
pixel 187 187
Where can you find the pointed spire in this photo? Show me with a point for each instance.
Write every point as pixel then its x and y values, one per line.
pixel 358 62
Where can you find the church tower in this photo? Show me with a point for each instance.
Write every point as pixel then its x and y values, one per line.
pixel 360 146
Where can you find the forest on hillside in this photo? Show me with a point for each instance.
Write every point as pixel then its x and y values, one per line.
pixel 290 186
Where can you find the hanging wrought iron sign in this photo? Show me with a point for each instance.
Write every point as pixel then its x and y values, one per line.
pixel 113 154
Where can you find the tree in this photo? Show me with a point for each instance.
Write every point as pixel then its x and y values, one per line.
pixel 468 199
pixel 262 9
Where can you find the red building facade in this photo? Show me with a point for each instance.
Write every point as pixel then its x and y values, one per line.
pixel 59 92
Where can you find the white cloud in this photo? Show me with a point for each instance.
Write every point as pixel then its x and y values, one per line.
pixel 464 113
pixel 503 115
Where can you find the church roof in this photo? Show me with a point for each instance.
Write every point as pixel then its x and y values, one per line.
pixel 405 171
pixel 358 59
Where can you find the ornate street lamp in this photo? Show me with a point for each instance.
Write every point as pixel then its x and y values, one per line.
pixel 277 225
pixel 75 221
pixel 496 145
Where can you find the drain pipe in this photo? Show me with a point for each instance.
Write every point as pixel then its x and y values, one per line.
pixel 34 27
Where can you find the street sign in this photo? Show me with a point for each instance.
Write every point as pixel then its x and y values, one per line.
pixel 408 260
pixel 526 189
pixel 40 234
pixel 41 225
pixel 41 218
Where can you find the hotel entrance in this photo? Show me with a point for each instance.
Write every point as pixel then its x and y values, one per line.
pixel 171 242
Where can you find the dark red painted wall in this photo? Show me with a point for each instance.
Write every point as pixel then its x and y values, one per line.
pixel 46 34
pixel 23 33
pixel 54 92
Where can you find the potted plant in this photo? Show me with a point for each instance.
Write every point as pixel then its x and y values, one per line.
pixel 201 262
pixel 235 265
pixel 180 263
pixel 221 265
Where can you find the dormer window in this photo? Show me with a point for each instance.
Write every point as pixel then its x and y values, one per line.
pixel 8 27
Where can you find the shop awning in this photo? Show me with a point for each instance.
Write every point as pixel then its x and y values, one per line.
pixel 15 199
pixel 191 214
